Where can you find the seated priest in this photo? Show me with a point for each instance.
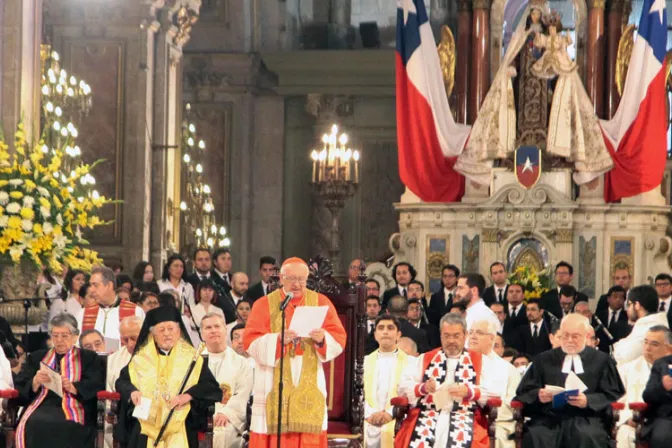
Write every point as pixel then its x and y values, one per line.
pixel 68 420
pixel 451 375
pixel 581 421
pixel 382 373
pixel 152 379
pixel 658 395
pixel 504 383
pixel 234 376
pixel 635 374
pixel 304 405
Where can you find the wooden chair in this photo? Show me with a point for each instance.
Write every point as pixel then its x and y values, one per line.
pixel 638 416
pixel 401 408
pixel 10 415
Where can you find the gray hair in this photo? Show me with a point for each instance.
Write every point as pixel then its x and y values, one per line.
pixel 453 319
pixel 490 326
pixel 662 329
pixel 64 320
pixel 86 333
pixel 211 315
pixel 106 274
pixel 131 320
pixel 574 318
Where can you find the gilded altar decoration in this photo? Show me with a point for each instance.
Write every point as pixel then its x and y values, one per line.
pixel 535 283
pixel 447 56
pixel 226 392
pixel 625 46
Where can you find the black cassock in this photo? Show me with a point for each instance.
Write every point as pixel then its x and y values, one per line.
pixel 47 426
pixel 569 426
pixel 658 428
pixel 205 393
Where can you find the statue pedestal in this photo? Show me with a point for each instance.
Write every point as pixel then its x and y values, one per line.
pixel 560 180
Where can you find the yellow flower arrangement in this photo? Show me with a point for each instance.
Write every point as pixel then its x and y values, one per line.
pixel 535 284
pixel 44 211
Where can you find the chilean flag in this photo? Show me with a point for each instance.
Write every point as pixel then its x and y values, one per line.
pixel 637 134
pixel 429 140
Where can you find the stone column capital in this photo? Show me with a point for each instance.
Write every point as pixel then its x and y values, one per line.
pixel 177 20
pixel 329 108
pixel 596 4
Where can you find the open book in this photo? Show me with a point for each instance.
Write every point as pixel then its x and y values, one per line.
pixel 573 385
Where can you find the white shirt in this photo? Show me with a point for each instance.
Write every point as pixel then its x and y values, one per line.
pixel 632 347
pixel 264 286
pixel 235 298
pixel 480 311
pixel 504 384
pixel 613 315
pixel 115 362
pixel 70 306
pixel 401 290
pixel 497 291
pixel 446 293
pixel 667 303
pixel 224 276
pixel 184 289
pixel 107 321
pixel 538 324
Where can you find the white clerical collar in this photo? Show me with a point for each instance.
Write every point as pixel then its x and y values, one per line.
pixel 576 361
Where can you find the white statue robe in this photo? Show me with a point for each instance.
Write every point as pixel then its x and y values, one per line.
pixel 382 373
pixel 228 367
pixel 634 375
pixel 503 384
pixel 115 362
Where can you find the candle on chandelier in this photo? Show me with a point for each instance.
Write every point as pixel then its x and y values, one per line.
pixel 314 156
pixel 355 157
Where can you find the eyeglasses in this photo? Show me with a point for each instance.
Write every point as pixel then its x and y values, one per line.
pixel 293 279
pixel 573 336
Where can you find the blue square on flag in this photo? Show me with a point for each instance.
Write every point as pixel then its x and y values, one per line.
pixel 528 165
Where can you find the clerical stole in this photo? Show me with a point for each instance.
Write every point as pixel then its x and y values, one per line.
pixel 370 378
pixel 126 309
pixel 461 426
pixel 71 368
pixel 159 377
pixel 303 405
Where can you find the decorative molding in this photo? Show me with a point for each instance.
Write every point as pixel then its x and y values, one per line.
pixel 496 235
pixel 481 4
pixel 328 108
pixel 437 255
pixel 470 253
pixel 540 195
pixel 559 235
pixel 587 265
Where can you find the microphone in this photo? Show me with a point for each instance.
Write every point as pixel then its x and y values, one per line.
pixel 601 326
pixel 285 302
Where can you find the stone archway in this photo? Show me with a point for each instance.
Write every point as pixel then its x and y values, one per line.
pixel 527 251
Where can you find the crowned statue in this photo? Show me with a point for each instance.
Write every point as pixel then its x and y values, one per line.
pixel 569 129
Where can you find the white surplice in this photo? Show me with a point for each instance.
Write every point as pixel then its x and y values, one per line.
pixel 387 370
pixel 115 362
pixel 630 348
pixel 107 321
pixel 228 367
pixel 504 384
pixel 634 375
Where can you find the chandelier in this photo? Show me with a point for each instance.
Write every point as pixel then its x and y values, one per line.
pixel 64 99
pixel 335 179
pixel 197 211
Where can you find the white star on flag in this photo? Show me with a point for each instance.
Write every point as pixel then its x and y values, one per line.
pixel 658 6
pixel 407 6
pixel 528 165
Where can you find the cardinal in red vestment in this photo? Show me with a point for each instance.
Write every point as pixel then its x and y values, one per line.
pixel 304 411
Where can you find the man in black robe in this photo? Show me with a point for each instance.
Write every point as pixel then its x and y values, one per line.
pixel 581 422
pixel 49 420
pixel 160 362
pixel 658 395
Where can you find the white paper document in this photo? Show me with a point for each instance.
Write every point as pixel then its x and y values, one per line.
pixel 573 382
pixel 555 390
pixel 111 345
pixel 55 383
pixel 141 411
pixel 442 397
pixel 307 319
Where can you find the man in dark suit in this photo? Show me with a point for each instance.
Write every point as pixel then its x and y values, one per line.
pixel 202 266
pixel 398 307
pixel 614 319
pixel 221 274
pixel 260 289
pixel 664 292
pixel 497 291
pixel 372 312
pixel 403 273
pixel 354 270
pixel 442 301
pixel 621 278
pixel 416 306
pixel 533 337
pixel 515 312
pixel 551 300
pixel 658 395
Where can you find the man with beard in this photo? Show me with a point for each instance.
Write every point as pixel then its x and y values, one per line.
pixel 579 423
pixel 382 373
pixel 451 370
pixel 202 266
pixel 468 292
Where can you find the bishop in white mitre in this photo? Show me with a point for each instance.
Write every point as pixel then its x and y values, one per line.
pixel 129 330
pixel 504 384
pixel 234 375
pixel 382 372
pixel 635 375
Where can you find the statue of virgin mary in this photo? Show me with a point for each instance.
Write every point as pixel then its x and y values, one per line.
pixel 573 128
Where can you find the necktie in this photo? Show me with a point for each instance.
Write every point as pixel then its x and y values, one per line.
pixel 404 293
pixel 535 333
pixel 203 277
pixel 612 319
pixel 662 306
pixel 513 311
pixel 500 295
pixel 450 298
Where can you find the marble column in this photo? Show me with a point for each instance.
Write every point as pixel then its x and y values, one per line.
pixel 463 62
pixel 20 39
pixel 480 62
pixel 341 33
pixel 595 55
pixel 614 28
